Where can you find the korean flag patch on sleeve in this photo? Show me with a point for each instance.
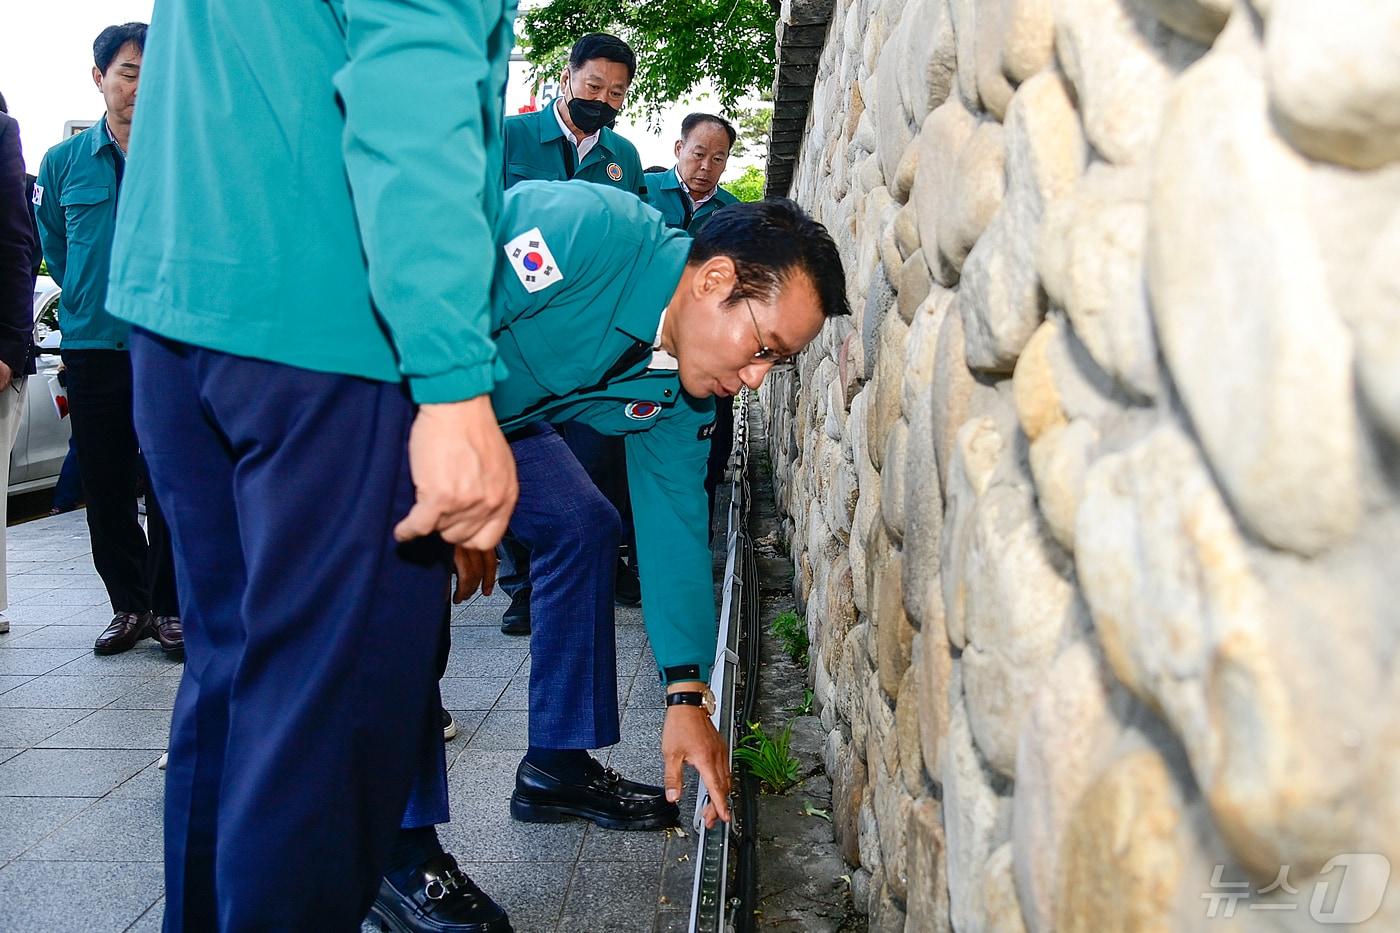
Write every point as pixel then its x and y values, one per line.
pixel 532 262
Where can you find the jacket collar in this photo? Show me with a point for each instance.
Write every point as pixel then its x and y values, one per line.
pixel 549 130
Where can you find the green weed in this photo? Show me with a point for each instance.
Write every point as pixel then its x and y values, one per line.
pixel 769 758
pixel 791 629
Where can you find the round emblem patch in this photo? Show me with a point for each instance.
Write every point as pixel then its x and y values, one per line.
pixel 641 411
pixel 614 171
pixel 532 261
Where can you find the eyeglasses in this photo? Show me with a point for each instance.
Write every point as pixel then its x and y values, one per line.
pixel 767 354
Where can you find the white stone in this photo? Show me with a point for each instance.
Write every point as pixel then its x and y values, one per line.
pixel 1091 261
pixel 1059 462
pixel 992 86
pixel 976 822
pixel 979 445
pixel 967 207
pixel 1028 38
pixel 1001 300
pixel 1069 727
pixel 1019 605
pixel 926 49
pixel 892 483
pixel 1377 328
pixel 1248 327
pixel 945 131
pixel 894 126
pixel 1120 61
pixel 1334 78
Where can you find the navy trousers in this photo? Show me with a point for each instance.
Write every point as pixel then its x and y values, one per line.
pixel 572 533
pixel 308 707
pixel 604 458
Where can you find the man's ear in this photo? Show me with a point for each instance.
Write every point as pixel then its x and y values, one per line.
pixel 97 77
pixel 715 276
pixel 678 149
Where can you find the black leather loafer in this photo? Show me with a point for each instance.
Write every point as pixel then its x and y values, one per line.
pixel 516 621
pixel 605 798
pixel 440 899
pixel 627 588
pixel 126 629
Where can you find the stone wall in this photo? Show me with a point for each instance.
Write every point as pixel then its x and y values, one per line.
pixel 1093 501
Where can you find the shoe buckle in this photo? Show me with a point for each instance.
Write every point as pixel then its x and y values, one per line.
pixel 439 886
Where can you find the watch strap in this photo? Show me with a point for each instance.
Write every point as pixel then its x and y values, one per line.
pixel 685 698
pixel 680 672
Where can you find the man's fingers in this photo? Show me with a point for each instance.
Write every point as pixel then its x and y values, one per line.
pixel 716 779
pixel 421 520
pixel 488 578
pixel 675 777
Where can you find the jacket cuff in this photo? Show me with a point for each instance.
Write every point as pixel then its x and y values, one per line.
pixel 457 385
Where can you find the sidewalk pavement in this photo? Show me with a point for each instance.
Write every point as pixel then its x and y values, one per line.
pixel 80 795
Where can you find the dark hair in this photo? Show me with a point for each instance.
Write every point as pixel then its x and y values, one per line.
pixel 4 107
pixel 653 168
pixel 695 119
pixel 768 241
pixel 110 41
pixel 602 45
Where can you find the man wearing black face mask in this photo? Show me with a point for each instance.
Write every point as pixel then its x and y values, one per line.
pixel 572 136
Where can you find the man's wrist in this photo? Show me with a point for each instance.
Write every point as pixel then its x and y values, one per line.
pixel 687 686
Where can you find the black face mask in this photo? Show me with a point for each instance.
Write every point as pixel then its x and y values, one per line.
pixel 591 115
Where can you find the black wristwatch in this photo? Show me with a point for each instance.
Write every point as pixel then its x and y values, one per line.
pixel 705 700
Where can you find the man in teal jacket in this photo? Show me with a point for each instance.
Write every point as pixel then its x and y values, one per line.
pixel 687 196
pixel 605 316
pixel 305 247
pixel 572 135
pixel 75 204
pixel 689 193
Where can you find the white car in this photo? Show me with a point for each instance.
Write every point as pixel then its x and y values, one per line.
pixel 42 442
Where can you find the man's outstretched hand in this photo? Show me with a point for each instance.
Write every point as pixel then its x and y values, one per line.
pixel 689 737
pixel 463 474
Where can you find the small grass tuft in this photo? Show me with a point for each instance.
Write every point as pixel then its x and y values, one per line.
pixel 769 758
pixel 805 707
pixel 791 629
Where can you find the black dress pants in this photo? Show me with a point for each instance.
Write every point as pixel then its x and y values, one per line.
pixel 139 573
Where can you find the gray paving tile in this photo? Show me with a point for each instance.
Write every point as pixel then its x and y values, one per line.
pixel 629 661
pixel 517 695
pixel 44 579
pixel 641 727
pixel 471 692
pixel 468 721
pixel 148 783
pixel 533 895
pixel 55 636
pixel 9 681
pixel 643 763
pixel 26 820
pixel 612 845
pixel 482 774
pixel 157 693
pixel 620 897
pixel 7 753
pixel 44 615
pixel 647 692
pixel 53 691
pixel 631 636
pixel 484 636
pixel 485 832
pixel 500 729
pixel 145 660
pixel 70 772
pixel 115 728
pixel 21 728
pixel 151 921
pixel 37 660
pixel 18 631
pixel 126 830
pixel 83 597
pixel 486 662
pixel 95 618
pixel 42 896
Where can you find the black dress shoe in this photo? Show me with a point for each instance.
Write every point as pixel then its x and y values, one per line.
pixel 125 630
pixel 516 621
pixel 438 897
pixel 604 797
pixel 171 636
